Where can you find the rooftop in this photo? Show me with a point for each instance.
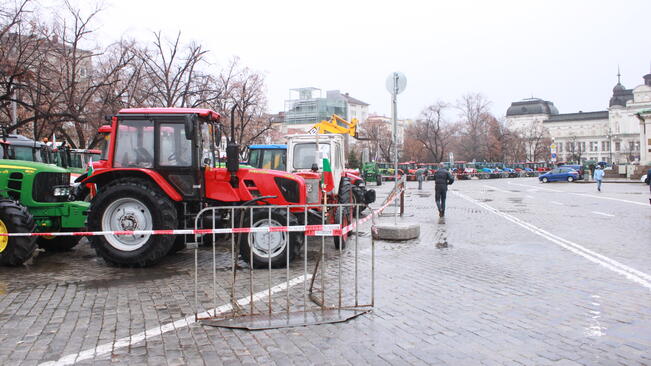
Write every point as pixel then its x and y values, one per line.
pixel 580 116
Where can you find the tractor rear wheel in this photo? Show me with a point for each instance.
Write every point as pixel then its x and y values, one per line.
pixel 274 246
pixel 132 204
pixel 57 243
pixel 14 218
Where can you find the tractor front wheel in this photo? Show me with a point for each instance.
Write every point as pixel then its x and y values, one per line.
pixel 14 218
pixel 269 246
pixel 132 204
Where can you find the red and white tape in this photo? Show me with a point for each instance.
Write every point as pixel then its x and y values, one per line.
pixel 310 230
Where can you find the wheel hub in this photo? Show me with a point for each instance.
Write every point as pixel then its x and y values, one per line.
pixel 3 239
pixel 127 214
pixel 267 244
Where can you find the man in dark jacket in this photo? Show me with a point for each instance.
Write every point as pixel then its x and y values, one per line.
pixel 442 179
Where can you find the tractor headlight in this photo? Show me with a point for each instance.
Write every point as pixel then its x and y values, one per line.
pixel 61 191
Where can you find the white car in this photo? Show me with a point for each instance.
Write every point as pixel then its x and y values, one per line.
pixel 643 179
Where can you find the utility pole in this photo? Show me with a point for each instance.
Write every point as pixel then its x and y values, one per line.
pixel 395 84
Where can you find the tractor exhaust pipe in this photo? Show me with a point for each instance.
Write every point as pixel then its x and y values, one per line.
pixel 233 153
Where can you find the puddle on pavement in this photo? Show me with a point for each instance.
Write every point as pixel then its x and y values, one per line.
pixel 485 200
pixel 515 199
pixel 424 194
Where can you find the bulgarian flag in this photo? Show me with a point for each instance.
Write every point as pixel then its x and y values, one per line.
pixel 328 180
pixel 90 166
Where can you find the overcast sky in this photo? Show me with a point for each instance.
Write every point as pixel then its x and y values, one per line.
pixel 563 51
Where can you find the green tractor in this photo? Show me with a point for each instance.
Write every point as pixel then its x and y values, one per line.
pixel 371 173
pixel 34 198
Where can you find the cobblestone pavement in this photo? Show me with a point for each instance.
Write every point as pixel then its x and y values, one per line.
pixel 517 273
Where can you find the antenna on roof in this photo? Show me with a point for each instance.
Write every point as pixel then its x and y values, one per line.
pixel 618 75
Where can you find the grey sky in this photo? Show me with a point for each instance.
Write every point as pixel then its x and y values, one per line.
pixel 563 51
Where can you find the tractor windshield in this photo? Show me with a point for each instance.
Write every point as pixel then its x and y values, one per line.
pixel 304 155
pixel 134 145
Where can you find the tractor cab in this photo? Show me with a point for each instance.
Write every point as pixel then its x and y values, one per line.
pixel 168 145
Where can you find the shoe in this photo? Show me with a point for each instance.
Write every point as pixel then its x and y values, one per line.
pixel 440 213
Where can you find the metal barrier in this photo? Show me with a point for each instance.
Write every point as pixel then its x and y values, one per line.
pixel 288 237
pixel 327 295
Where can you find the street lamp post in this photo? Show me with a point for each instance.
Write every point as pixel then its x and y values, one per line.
pixel 610 146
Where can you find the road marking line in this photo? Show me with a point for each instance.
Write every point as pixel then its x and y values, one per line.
pixel 181 323
pixel 630 273
pixel 579 194
pixel 610 198
pixel 497 189
pixel 556 203
pixel 602 213
pixel 530 186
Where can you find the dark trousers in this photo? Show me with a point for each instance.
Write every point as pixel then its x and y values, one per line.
pixel 439 195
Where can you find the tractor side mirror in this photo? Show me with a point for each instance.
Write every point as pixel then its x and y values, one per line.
pixel 315 167
pixel 189 126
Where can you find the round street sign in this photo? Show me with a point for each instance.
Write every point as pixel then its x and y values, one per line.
pixel 398 78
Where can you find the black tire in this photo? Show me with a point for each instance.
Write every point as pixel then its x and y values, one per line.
pixel 16 219
pixel 58 243
pixel 178 245
pixel 343 215
pixel 570 179
pixel 150 200
pixel 545 180
pixel 279 256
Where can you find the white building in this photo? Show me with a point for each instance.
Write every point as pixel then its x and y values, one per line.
pixel 611 135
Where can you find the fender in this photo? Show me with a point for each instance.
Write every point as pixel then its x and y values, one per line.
pixel 102 177
pixel 353 177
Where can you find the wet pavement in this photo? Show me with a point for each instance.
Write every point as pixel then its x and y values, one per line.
pixel 517 272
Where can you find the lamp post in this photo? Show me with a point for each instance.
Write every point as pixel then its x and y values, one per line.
pixel 610 146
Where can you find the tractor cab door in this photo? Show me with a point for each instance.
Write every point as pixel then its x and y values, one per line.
pixel 176 156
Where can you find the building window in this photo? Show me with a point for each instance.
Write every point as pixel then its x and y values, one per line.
pixel 631 146
pixel 605 145
pixel 560 147
pixel 582 146
pixel 594 146
pixel 617 146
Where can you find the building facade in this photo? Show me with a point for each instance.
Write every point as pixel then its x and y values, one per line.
pixel 307 106
pixel 611 135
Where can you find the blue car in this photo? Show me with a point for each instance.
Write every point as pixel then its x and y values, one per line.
pixel 560 174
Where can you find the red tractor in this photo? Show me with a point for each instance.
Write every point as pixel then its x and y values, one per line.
pixel 160 167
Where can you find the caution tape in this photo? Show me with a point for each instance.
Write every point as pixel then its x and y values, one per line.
pixel 331 229
pixel 352 226
pixel 310 230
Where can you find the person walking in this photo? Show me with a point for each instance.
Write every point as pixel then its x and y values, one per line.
pixel 599 176
pixel 442 179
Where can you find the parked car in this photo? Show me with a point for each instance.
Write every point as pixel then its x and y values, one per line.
pixel 578 168
pixel 563 173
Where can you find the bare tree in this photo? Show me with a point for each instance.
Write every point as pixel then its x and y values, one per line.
pixel 173 72
pixel 433 131
pixel 536 141
pixel 474 113
pixel 381 143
